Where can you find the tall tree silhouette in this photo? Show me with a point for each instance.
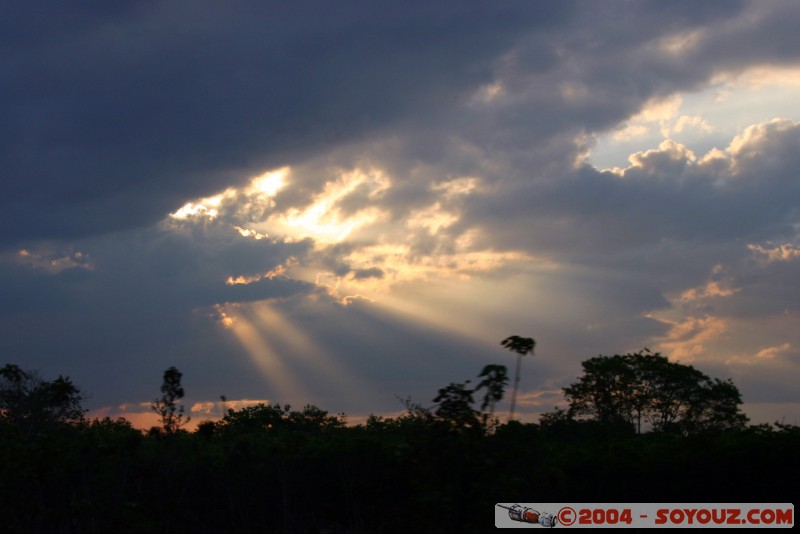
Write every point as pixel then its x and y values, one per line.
pixel 167 406
pixel 647 387
pixel 522 346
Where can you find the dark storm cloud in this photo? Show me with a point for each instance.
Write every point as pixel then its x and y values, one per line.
pixel 171 269
pixel 360 274
pixel 591 74
pixel 142 299
pixel 112 117
pixel 765 35
pixel 155 273
pixel 667 195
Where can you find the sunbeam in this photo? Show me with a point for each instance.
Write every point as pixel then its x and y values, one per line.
pixel 302 347
pixel 275 372
pixel 289 358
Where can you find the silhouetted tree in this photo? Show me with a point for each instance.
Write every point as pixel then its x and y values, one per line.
pixel 495 379
pixel 454 405
pixel 606 391
pixel 522 346
pixel 716 408
pixel 644 386
pixel 167 406
pixel 268 468
pixel 31 403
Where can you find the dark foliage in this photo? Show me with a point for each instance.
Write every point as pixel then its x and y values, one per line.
pixel 167 407
pixel 643 387
pixel 269 468
pixel 31 404
pixel 521 346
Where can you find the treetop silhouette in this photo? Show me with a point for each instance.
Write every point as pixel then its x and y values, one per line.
pixel 646 387
pixel 522 346
pixel 31 403
pixel 167 407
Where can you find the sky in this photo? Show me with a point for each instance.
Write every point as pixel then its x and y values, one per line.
pixel 350 204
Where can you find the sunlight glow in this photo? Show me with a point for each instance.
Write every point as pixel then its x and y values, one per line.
pixel 719 286
pixel 760 77
pixel 402 264
pixel 389 265
pixel 785 252
pixel 711 289
pixel 448 304
pixel 270 182
pixel 385 263
pixel 277 346
pixel 246 232
pixel 770 353
pixel 325 220
pixel 429 314
pixel 217 409
pixel 302 346
pixel 688 339
pixel 433 218
pixel 261 188
pixel 690 334
pixel 488 93
pixel 202 209
pixel 457 187
pixel 222 317
pixel 732 101
pixel 51 261
pixel 680 43
pixel 278 271
pixel 263 355
pixel 659 109
pixel 573 91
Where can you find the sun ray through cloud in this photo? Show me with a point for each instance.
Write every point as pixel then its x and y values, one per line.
pixel 194 187
pixel 261 352
pixel 315 361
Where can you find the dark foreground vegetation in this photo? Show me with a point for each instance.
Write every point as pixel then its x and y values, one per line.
pixel 440 469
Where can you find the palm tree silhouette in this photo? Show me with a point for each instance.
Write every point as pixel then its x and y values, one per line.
pixel 522 346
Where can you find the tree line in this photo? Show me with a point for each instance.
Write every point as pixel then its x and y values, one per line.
pixel 638 428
